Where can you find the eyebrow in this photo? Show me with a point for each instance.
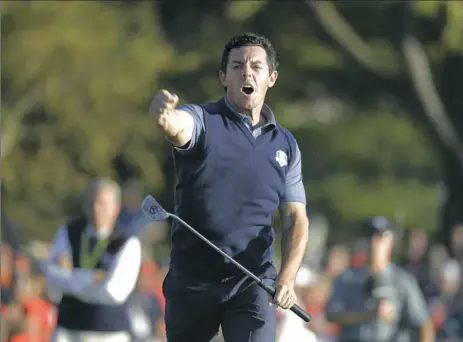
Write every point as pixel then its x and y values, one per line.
pixel 240 62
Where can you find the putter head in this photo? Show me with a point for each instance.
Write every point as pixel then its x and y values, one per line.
pixel 153 209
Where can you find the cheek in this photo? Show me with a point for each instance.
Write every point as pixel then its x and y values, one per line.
pixel 265 83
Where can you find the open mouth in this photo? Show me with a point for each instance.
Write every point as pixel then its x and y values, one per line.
pixel 247 89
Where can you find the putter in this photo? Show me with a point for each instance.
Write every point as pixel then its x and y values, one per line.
pixel 156 213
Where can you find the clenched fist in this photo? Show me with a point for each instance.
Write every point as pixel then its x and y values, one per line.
pixel 284 296
pixel 163 109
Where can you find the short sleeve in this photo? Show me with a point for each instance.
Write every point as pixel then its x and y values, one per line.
pixel 294 186
pixel 197 114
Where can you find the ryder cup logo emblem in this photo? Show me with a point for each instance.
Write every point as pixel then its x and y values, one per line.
pixel 154 210
pixel 281 158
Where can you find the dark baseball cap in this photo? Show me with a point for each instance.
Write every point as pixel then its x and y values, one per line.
pixel 377 225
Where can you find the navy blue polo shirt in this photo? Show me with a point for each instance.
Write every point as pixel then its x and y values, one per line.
pixel 230 179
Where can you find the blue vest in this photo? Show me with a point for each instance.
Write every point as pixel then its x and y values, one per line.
pixel 74 314
pixel 228 189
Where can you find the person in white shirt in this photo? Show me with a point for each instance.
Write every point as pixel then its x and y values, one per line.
pixel 292 328
pixel 95 269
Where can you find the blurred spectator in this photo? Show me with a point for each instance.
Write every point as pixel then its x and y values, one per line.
pixel 438 256
pixel 290 327
pixel 316 300
pixel 416 261
pixel 449 301
pixel 380 301
pixel 457 242
pixel 96 268
pixel 132 220
pixel 359 253
pixel 7 275
pixel 337 261
pixel 28 314
pixel 145 310
pixel 130 207
pixel 40 313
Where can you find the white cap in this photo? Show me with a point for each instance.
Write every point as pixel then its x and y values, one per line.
pixel 305 277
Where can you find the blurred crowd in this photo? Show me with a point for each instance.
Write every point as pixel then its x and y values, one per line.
pixel 28 310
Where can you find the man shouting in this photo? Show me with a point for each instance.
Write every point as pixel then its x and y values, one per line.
pixel 235 165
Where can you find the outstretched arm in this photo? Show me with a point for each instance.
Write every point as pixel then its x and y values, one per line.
pixel 177 125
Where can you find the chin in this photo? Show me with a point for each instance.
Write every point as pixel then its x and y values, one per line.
pixel 248 104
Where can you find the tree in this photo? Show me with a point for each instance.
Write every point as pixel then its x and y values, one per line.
pixel 326 100
pixel 428 42
pixel 77 78
pixel 78 107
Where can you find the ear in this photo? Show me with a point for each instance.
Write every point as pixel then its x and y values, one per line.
pixel 223 78
pixel 272 79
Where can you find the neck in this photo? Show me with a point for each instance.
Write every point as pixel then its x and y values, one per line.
pixel 254 114
pixel 415 256
pixel 103 230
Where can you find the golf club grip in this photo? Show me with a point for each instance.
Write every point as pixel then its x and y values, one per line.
pixel 295 308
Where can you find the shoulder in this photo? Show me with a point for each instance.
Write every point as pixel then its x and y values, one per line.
pixel 286 132
pixel 196 111
pixel 61 234
pixel 290 138
pixel 119 241
pixel 192 108
pixel 200 109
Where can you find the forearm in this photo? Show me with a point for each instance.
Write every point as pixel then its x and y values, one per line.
pixel 66 280
pixel 119 282
pixel 107 293
pixel 293 247
pixel 179 131
pixel 427 333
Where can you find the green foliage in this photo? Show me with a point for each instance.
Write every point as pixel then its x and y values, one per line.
pixel 361 165
pixel 78 76
pixel 452 37
pixel 95 66
pixel 353 200
pixel 242 10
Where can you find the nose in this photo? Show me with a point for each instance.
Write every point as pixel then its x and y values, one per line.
pixel 247 71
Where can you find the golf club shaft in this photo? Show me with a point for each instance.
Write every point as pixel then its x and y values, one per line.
pixel 269 289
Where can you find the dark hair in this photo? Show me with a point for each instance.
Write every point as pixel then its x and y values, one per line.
pixel 250 39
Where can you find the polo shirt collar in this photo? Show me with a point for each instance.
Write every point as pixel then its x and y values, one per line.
pixel 266 112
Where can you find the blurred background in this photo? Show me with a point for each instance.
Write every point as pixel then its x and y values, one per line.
pixel 371 90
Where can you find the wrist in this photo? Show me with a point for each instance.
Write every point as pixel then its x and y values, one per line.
pixel 285 278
